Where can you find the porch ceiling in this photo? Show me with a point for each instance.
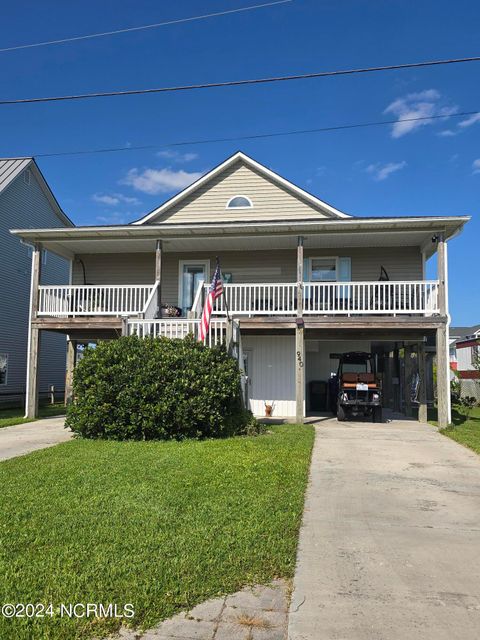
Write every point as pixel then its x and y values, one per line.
pixel 352 232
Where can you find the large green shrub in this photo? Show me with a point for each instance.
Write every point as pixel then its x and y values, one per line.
pixel 142 389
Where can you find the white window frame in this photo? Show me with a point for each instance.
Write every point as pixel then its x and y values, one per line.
pixel 181 264
pixel 310 260
pixel 3 384
pixel 239 195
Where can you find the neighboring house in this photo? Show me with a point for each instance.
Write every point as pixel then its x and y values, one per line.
pixel 27 201
pixel 304 281
pixel 465 353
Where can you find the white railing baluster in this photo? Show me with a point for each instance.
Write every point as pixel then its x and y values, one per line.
pixel 322 298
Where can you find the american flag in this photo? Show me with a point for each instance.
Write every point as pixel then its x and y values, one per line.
pixel 215 290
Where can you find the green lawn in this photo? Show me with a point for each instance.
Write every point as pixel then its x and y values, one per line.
pixel 10 417
pixel 161 525
pixel 466 432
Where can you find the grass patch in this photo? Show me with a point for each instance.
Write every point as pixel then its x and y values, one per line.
pixel 462 430
pixel 161 525
pixel 11 417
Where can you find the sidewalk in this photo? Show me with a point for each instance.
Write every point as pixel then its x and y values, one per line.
pixel 30 436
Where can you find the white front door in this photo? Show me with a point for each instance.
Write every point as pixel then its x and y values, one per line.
pixel 191 273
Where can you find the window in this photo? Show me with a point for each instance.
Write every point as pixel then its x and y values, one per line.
pixel 239 202
pixel 323 269
pixel 3 368
pixel 26 176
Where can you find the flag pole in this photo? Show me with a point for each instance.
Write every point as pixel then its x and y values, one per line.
pixel 223 289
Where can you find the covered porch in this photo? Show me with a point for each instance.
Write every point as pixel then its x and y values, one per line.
pixel 291 272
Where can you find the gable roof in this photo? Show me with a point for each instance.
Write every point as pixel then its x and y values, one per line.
pixel 327 209
pixel 459 333
pixel 11 168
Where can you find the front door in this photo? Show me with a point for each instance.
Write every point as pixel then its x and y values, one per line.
pixel 191 273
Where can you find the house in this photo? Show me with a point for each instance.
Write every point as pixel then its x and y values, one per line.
pixel 304 281
pixel 26 200
pixel 465 353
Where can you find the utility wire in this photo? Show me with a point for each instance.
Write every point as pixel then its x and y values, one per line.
pixel 257 136
pixel 143 27
pixel 236 83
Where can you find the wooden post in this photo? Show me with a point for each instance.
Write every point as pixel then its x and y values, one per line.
pixel 33 345
pixel 300 339
pixel 422 391
pixel 442 274
pixel 229 336
pixel 71 351
pixel 443 366
pixel 158 276
pixel 443 383
pixel 407 386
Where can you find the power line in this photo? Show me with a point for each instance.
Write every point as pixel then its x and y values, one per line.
pixel 143 27
pixel 256 136
pixel 236 83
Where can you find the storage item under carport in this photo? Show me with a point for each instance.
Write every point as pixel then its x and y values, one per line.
pixel 317 395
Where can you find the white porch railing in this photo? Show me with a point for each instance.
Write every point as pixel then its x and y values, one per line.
pixel 331 298
pixel 377 298
pixel 257 299
pixel 178 328
pixel 95 300
pixel 249 299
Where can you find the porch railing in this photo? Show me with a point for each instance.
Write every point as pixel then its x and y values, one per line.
pixel 331 298
pixel 258 299
pixel 381 298
pixel 178 328
pixel 95 300
pixel 249 299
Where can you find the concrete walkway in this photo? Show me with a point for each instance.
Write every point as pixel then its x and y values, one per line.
pixel 390 543
pixel 254 613
pixel 24 438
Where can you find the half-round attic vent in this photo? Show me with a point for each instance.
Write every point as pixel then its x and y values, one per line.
pixel 239 202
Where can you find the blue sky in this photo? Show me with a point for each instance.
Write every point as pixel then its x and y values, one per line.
pixel 427 169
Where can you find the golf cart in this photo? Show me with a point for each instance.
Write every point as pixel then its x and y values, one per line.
pixel 356 388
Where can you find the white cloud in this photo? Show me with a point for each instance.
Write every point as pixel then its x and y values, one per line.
pixel 423 104
pixel 447 133
pixel 114 199
pixel 476 166
pixel 382 171
pixel 153 181
pixel 177 156
pixel 469 121
pixel 114 218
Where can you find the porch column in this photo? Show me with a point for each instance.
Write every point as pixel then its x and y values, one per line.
pixel 71 351
pixel 300 339
pixel 158 276
pixel 442 273
pixel 33 344
pixel 422 391
pixel 407 385
pixel 443 368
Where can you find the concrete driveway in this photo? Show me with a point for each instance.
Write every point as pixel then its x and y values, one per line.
pixel 24 438
pixel 390 543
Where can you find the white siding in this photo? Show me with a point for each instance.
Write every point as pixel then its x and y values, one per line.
pixel 466 357
pixel 25 205
pixel 272 373
pixel 270 200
